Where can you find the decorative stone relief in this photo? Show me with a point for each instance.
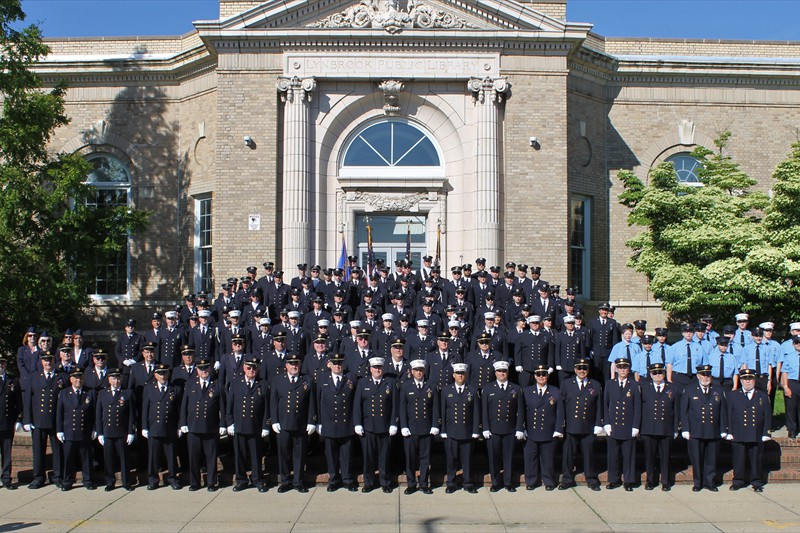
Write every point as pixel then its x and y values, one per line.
pixel 389 202
pixel 494 88
pixel 391 96
pixel 686 131
pixel 96 133
pixel 388 15
pixel 302 87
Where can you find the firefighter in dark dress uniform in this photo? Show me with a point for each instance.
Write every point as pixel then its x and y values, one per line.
pixel 40 400
pixel 502 420
pixel 114 425
pixel 75 413
pixel 543 413
pixel 335 394
pixel 750 420
pixel 419 422
pixel 623 418
pixel 461 419
pixel 10 418
pixel 161 406
pixel 583 415
pixel 659 425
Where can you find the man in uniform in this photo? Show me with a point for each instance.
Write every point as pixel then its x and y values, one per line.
pixel 161 405
pixel 247 418
pixel 10 418
pixel 569 347
pixel 187 370
pixel 502 418
pixel 682 358
pixel 704 422
pixel 419 422
pixel 438 363
pixel 622 406
pixel 461 417
pixel 756 356
pixel 659 425
pixel 335 393
pixel 583 413
pixel 750 419
pixel 724 366
pixel 480 361
pixel 114 421
pixel 75 413
pixel 129 346
pixel 375 418
pixel 602 335
pixel 202 420
pixel 532 351
pixel 293 414
pixel 40 400
pixel 790 381
pixel 231 364
pixel 543 413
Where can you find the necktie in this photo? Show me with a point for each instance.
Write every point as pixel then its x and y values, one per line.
pixel 663 355
pixel 541 392
pixel 294 380
pixel 203 330
pixel 741 337
pixel 377 383
pixel 397 368
pixel 602 321
pixel 419 385
pixel 648 358
pixel 503 386
pixel 580 385
pixel 336 381
pixel 705 391
pixel 721 366
pixel 162 388
pixel 460 390
pixel 628 351
pixel 204 386
pixel 49 376
pixel 688 358
pixel 149 369
pixel 758 362
pixel 249 384
pixel 660 388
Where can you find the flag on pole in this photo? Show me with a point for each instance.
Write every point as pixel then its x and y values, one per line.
pixel 370 255
pixel 408 241
pixel 438 242
pixel 343 263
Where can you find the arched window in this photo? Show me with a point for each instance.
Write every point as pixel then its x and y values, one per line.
pixel 391 148
pixel 112 187
pixel 686 167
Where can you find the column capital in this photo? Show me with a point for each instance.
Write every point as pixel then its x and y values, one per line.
pixel 294 86
pixel 495 88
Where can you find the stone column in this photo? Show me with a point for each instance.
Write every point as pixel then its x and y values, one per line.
pixel 296 94
pixel 487 94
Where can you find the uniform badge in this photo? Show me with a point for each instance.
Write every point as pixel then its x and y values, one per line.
pixel 430 394
pixel 171 396
pixel 716 398
pixel 669 394
pixel 121 402
pixel 469 396
pixel 86 401
pixel 628 394
pixel 211 394
pixel 60 384
pixel 305 386
pixel 11 387
pixel 350 384
pixel 552 401
pixel 591 391
pixel 388 391
pixel 258 391
pixel 514 393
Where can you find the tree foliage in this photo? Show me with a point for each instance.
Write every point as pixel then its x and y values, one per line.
pixel 723 247
pixel 50 239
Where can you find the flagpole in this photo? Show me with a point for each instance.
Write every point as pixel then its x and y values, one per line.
pixel 438 242
pixel 370 257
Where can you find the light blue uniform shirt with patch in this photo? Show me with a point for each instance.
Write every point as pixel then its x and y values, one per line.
pixel 621 350
pixel 676 356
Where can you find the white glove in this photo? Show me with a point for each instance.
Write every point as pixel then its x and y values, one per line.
pixel 557 435
pixel 486 434
pixel 311 428
pixel 101 439
pixel 518 369
pixel 223 432
pixel 558 367
pixel 434 431
pixel 17 427
pixel 444 435
pixel 598 430
pixel 359 431
pixel 61 437
pixel 525 433
pixel 216 365
pixel 264 433
pixel 405 432
pixel 392 431
pixel 27 427
pixel 607 429
pixel 475 435
pixel 723 435
pixel 276 427
pixel 685 435
pixel 519 435
pixel 765 438
pixel 231 430
pixel 550 370
pixel 94 435
pixel 729 437
pixel 146 433
pixel 180 433
pixel 635 432
pixel 674 435
pixel 184 430
pixel 129 440
pixel 129 362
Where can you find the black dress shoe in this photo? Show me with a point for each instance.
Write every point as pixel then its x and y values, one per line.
pixel 262 487
pixel 212 488
pixel 367 488
pixel 65 488
pixel 151 486
pixel 649 486
pixel 387 490
pixel 109 488
pixel 427 490
pixel 696 488
pixel 175 485
pixel 193 488
pixel 549 488
pixel 472 490
pixel 352 487
pixel 494 489
pixel 9 486
pixel 566 486
pixel 128 488
pixel 333 488
pixel 410 490
pixel 90 486
pixel 531 487
pixel 449 490
pixel 735 487
pixel 239 487
pixel 283 488
pixel 57 484
pixel 595 488
pixel 666 488
pixel 510 488
pixel 628 488
pixel 758 489
pixel 612 486
pixel 712 489
pixel 301 489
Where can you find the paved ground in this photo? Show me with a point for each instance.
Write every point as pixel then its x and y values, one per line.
pixel 776 509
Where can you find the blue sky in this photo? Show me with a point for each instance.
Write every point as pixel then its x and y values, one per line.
pixel 713 19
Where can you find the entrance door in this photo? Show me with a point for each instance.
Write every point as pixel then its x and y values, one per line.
pixel 390 237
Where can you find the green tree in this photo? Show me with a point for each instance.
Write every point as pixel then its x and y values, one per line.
pixel 705 249
pixel 49 239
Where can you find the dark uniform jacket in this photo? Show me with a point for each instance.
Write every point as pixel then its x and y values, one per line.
pixel 171 342
pixel 583 409
pixel 569 348
pixel 749 420
pixel 704 416
pixel 481 369
pixel 246 407
pixel 272 365
pixel 205 346
pixel 181 375
pixel 10 403
pixel 115 416
pixel 658 410
pixel 229 369
pixel 292 405
pixel 502 409
pixel 203 412
pixel 533 350
pixel 375 406
pixel 438 371
pixel 542 415
pixel 161 412
pixel 129 347
pixel 622 407
pixel 335 405
pixel 28 364
pixel 75 414
pixel 419 409
pixel 41 398
pixel 93 381
pixel 601 338
pixel 461 413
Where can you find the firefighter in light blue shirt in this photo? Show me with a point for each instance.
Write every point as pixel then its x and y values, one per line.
pixel 682 359
pixel 624 349
pixel 791 386
pixel 757 358
pixel 724 365
pixel 742 336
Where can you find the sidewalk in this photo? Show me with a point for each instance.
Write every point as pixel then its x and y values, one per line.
pixel 776 509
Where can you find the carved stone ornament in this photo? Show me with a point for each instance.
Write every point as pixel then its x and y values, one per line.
pixel 391 96
pixel 96 133
pixel 495 88
pixel 388 15
pixel 389 202
pixel 302 87
pixel 686 131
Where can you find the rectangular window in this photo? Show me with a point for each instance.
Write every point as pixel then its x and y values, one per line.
pixel 110 272
pixel 579 243
pixel 204 274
